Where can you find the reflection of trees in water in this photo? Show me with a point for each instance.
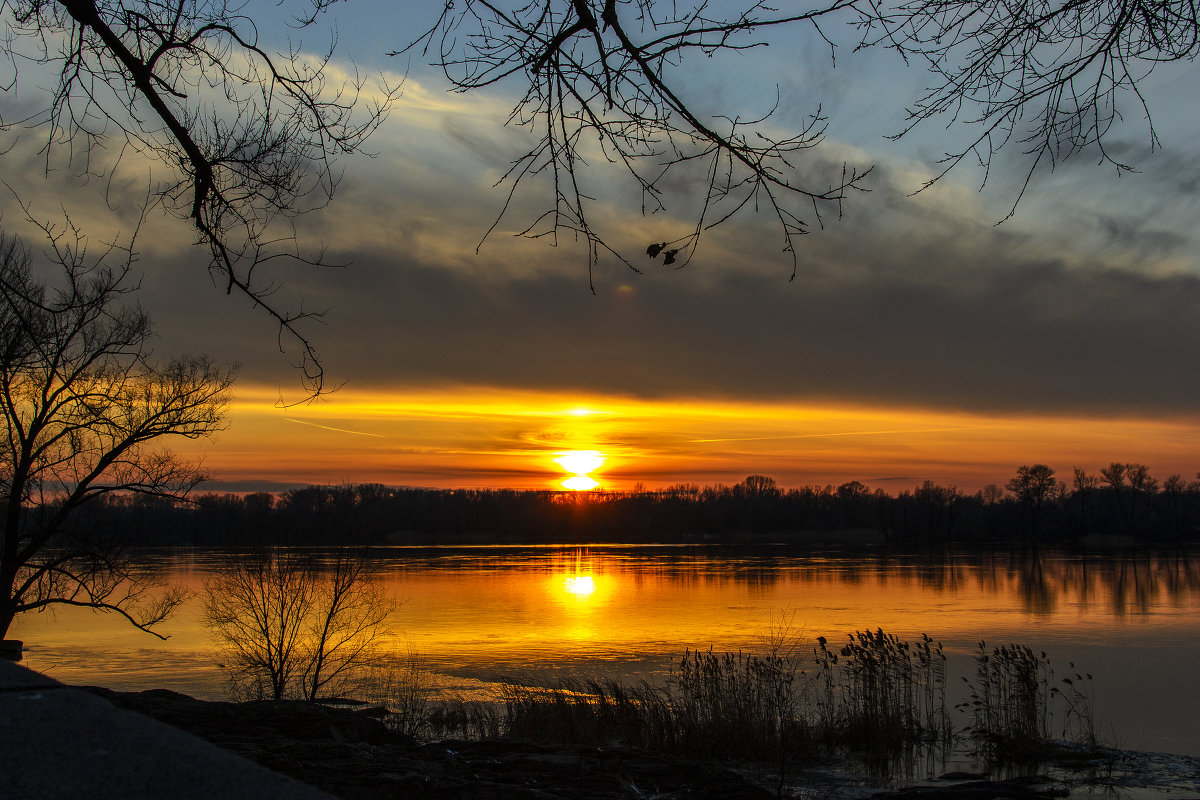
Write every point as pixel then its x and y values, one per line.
pixel 1118 582
pixel 1181 577
pixel 1131 582
pixel 1037 592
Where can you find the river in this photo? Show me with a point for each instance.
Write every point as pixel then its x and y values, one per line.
pixel 477 614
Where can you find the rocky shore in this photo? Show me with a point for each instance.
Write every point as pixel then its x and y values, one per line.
pixel 353 755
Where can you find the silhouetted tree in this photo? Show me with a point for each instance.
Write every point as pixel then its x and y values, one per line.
pixel 1085 485
pixel 600 81
pixel 1048 77
pixel 244 137
pixel 597 81
pixel 1142 487
pixel 991 494
pixel 86 412
pixel 855 500
pixel 758 486
pixel 288 626
pixel 1114 477
pixel 938 505
pixel 1174 490
pixel 1034 486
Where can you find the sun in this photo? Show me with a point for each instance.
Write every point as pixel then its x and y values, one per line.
pixel 579 463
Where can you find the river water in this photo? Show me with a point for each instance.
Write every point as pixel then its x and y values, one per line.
pixel 477 614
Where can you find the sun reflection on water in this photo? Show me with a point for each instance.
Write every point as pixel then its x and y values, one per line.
pixel 580 586
pixel 576 586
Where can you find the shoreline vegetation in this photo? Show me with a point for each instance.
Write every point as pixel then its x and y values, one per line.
pixel 1123 504
pixel 866 718
pixel 875 699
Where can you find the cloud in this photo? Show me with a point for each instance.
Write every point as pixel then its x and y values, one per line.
pixel 1031 336
pixel 908 301
pixel 1084 303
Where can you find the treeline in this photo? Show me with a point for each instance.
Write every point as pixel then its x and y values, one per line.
pixel 1123 500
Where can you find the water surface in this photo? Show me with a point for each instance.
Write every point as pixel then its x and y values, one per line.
pixel 476 614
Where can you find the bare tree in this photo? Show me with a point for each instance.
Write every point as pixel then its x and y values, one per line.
pixel 1045 75
pixel 255 609
pixel 244 137
pixel 1114 476
pixel 349 615
pixel 287 625
pixel 600 83
pixel 86 411
pixel 1085 486
pixel 1141 485
pixel 1034 486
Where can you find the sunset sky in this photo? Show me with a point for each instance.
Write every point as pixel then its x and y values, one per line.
pixel 919 339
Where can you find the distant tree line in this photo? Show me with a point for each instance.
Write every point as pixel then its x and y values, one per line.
pixel 1122 500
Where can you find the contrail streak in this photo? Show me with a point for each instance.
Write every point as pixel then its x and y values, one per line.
pixel 840 433
pixel 330 428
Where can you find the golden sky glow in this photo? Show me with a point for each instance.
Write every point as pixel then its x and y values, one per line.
pixel 480 437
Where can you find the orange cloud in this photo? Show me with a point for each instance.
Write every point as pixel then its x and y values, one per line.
pixel 484 437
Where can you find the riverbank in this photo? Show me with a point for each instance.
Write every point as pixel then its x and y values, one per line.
pixel 351 754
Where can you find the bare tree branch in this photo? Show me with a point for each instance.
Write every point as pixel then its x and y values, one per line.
pixel 248 137
pixel 1047 76
pixel 600 85
pixel 288 624
pixel 86 411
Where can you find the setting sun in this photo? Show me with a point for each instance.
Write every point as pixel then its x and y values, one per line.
pixel 580 462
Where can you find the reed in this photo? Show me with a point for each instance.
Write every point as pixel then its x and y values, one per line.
pixel 881 693
pixel 399 685
pixel 741 704
pixel 591 711
pixel 876 697
pixel 876 693
pixel 1019 711
pixel 1075 696
pixel 454 716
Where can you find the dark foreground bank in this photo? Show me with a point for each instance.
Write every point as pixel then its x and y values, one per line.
pixel 350 754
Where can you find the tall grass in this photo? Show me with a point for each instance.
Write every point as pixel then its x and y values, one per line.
pixel 876 692
pixel 591 711
pixel 875 696
pixel 881 693
pixel 746 703
pixel 1018 709
pixel 714 705
pixel 457 717
pixel 398 684
pixel 1075 695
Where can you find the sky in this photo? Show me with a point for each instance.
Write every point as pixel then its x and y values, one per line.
pixel 919 339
